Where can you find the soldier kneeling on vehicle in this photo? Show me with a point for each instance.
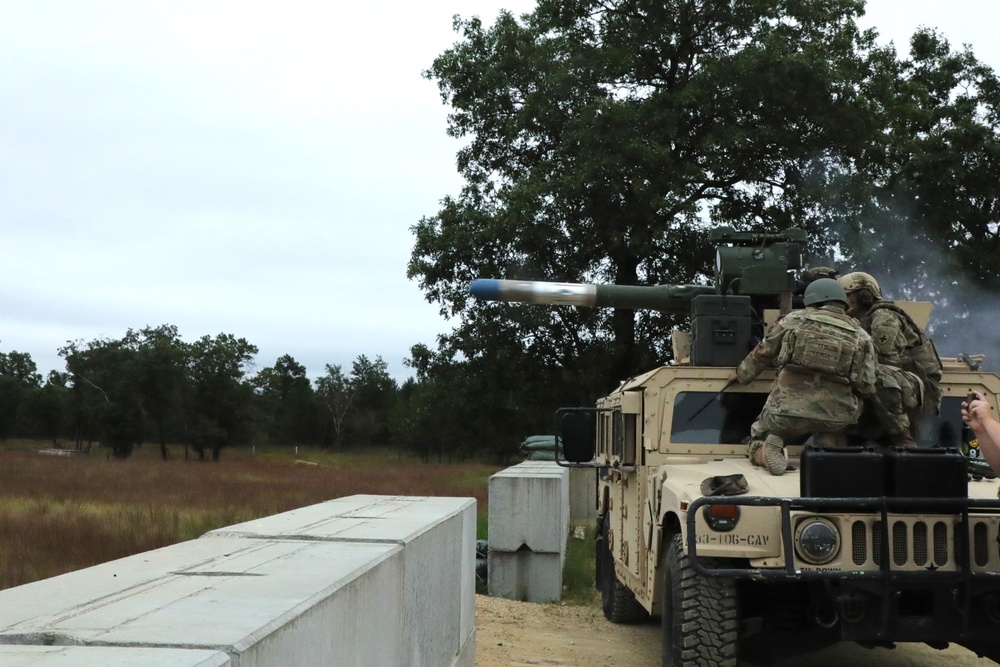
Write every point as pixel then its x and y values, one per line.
pixel 908 367
pixel 826 366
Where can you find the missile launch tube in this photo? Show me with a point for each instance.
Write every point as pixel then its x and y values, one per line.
pixel 664 298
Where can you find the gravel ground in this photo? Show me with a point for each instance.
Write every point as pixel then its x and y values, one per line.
pixel 516 634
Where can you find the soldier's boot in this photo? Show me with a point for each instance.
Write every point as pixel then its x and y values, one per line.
pixel 769 454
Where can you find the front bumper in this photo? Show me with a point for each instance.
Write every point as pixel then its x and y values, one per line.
pixel 894 600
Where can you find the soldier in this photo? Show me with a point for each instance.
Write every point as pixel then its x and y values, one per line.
pixel 818 272
pixel 909 369
pixel 825 362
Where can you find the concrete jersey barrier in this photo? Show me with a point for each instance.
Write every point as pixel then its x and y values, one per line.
pixel 528 526
pixel 363 580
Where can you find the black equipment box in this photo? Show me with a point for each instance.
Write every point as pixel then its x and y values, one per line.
pixel 720 329
pixel 720 304
pixel 941 472
pixel 841 472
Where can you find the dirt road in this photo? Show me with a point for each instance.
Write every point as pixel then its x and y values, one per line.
pixel 518 634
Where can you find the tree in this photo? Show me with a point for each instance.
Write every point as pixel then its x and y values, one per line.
pixel 11 395
pixel 480 407
pixel 374 394
pixel 44 410
pixel 20 367
pixel 335 393
pixel 18 379
pixel 427 417
pixel 287 401
pixel 106 401
pixel 602 136
pixel 934 183
pixel 122 388
pixel 218 399
pixel 605 137
pixel 160 368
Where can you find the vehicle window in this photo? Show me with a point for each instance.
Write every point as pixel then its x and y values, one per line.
pixel 945 428
pixel 724 419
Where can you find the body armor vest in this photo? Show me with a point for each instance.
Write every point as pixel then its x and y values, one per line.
pixel 921 357
pixel 823 343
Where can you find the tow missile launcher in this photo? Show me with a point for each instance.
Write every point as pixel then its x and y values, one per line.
pixel 753 273
pixel 753 264
pixel 865 543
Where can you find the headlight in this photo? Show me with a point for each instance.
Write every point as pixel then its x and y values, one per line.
pixel 817 541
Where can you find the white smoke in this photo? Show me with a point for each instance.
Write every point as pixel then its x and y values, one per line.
pixel 912 267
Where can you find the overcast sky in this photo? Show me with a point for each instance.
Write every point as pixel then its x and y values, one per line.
pixel 246 167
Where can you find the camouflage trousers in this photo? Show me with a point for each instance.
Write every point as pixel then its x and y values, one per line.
pixel 788 428
pixel 897 400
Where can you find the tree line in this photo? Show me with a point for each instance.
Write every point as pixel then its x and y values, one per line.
pixel 601 141
pixel 150 386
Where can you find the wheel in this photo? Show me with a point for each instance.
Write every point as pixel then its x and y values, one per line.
pixel 700 615
pixel 617 601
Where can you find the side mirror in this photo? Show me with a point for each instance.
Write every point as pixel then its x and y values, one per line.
pixel 577 434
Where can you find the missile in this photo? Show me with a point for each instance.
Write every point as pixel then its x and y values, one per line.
pixel 665 298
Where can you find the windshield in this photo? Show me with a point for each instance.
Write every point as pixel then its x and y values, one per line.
pixel 724 419
pixel 708 418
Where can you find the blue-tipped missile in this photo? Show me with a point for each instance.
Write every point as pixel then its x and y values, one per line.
pixel 665 298
pixel 532 291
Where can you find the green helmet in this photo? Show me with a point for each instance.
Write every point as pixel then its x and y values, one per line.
pixel 853 282
pixel 822 290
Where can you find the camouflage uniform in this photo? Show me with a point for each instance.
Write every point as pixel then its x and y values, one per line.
pixel 908 366
pixel 898 393
pixel 825 362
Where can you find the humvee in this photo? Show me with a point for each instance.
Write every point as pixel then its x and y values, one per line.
pixel 864 543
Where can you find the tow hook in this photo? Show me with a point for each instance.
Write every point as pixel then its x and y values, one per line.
pixel 826 616
pixel 852 607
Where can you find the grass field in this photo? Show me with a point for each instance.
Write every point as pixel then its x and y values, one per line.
pixel 59 514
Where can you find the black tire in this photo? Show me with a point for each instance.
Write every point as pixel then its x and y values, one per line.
pixel 617 601
pixel 700 615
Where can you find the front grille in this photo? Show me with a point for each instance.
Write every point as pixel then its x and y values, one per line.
pixel 859 542
pixel 940 544
pixel 877 543
pixel 980 545
pixel 918 543
pixel 900 549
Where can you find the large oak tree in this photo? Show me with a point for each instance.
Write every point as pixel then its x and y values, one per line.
pixel 603 138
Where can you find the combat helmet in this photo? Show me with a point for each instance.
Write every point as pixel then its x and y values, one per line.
pixel 858 280
pixel 818 272
pixel 822 290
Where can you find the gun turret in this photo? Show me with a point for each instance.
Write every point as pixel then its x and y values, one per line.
pixel 753 271
pixel 757 263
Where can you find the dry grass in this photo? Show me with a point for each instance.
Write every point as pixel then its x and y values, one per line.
pixel 59 514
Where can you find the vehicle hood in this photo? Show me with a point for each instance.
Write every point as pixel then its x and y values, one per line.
pixel 684 477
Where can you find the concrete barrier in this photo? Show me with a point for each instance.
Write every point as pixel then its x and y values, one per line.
pixel 439 540
pixel 363 580
pixel 86 656
pixel 528 526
